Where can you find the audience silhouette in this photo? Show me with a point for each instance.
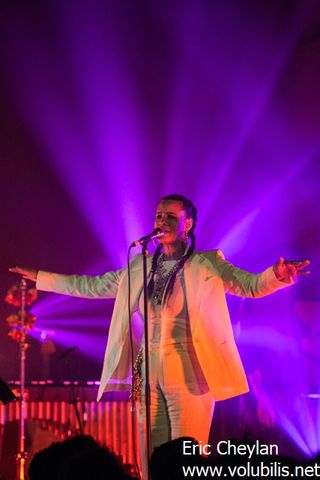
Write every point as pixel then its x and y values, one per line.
pixel 77 458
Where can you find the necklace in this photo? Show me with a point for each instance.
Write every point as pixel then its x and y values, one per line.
pixel 161 279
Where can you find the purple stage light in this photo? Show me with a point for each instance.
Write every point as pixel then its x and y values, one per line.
pixel 126 103
pixel 43 335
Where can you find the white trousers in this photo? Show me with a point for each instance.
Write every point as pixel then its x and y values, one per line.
pixel 181 402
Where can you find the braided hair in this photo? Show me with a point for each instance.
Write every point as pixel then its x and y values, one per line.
pixel 191 212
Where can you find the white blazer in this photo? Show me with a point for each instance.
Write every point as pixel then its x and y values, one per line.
pixel 208 276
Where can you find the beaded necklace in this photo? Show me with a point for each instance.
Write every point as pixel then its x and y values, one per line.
pixel 161 279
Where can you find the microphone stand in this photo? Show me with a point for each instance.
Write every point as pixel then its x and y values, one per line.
pixel 22 454
pixel 146 357
pixel 74 400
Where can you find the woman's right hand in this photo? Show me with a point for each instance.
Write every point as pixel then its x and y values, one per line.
pixel 27 273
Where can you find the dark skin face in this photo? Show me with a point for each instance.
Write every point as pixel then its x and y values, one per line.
pixel 172 219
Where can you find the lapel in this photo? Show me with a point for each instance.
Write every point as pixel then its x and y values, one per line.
pixel 194 274
pixel 137 279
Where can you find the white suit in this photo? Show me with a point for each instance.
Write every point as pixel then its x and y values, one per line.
pixel 208 276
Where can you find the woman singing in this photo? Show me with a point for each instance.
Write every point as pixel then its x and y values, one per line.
pixel 194 360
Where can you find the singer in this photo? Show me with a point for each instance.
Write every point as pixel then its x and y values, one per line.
pixel 194 361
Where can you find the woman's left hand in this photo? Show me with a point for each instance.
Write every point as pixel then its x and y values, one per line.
pixel 284 270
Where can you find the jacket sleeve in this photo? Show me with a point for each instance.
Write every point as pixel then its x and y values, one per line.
pixel 240 282
pixel 104 286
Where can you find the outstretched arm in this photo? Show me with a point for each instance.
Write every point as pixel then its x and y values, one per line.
pixel 240 282
pixel 86 286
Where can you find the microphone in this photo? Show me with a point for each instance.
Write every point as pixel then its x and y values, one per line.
pixel 157 233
